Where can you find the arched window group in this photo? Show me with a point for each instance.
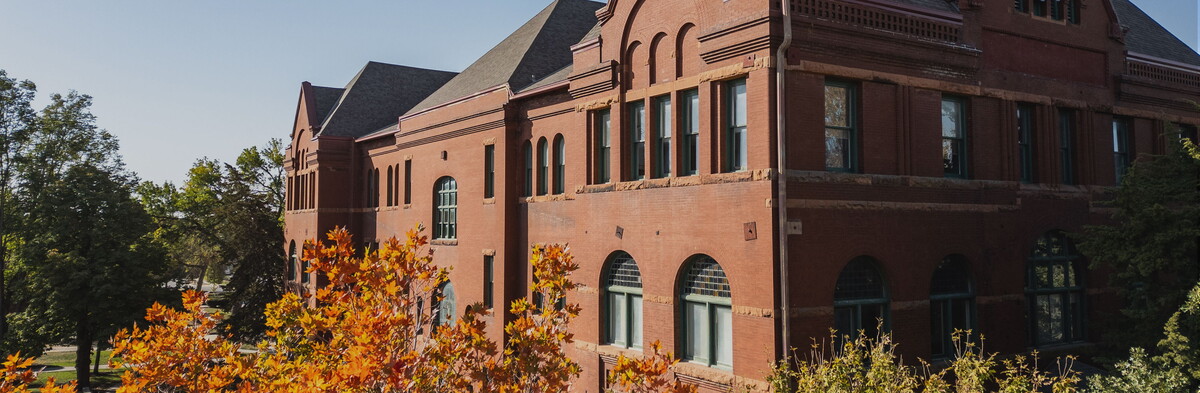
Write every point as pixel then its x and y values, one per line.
pixel 705 309
pixel 548 171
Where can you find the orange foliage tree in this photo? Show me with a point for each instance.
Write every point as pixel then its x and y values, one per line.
pixel 16 375
pixel 365 332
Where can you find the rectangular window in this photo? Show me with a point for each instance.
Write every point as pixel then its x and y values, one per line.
pixel 616 315
pixel 1022 5
pixel 662 136
pixel 689 163
pixel 603 146
pixel 841 154
pixel 696 320
pixel 954 138
pixel 1025 141
pixel 407 182
pixel 489 284
pixel 489 171
pixel 637 140
pixel 1186 131
pixel 722 336
pixel 1066 136
pixel 1121 148
pixel 735 135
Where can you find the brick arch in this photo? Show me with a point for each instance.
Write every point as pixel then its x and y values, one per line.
pixel 687 51
pixel 660 56
pixel 636 62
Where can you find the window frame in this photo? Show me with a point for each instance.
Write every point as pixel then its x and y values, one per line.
pixel 603 159
pixel 946 304
pixel 662 129
pixel 1074 316
pixel 543 167
pixel 1026 115
pixel 851 128
pixel 407 182
pixel 1066 145
pixel 443 318
pixel 689 114
pixel 637 140
pixel 528 181
pixel 628 295
pixel 1120 139
pixel 489 171
pixel 856 305
pixel 489 281
pixel 712 305
pixel 445 209
pixel 737 137
pixel 960 141
pixel 560 165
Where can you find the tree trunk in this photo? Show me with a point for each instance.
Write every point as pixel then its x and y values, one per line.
pixel 200 280
pixel 99 348
pixel 83 352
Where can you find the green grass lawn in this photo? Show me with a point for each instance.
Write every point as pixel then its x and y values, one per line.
pixel 102 380
pixel 67 359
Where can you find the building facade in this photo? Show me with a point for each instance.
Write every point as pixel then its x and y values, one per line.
pixel 736 177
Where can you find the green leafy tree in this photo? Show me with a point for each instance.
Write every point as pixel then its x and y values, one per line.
pixel 1150 246
pixel 93 260
pixel 16 119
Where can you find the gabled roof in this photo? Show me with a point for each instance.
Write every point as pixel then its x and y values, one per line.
pixel 557 76
pixel 378 95
pixel 1147 37
pixel 536 50
pixel 324 99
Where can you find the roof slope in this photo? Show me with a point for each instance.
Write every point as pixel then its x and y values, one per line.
pixel 536 50
pixel 378 95
pixel 324 99
pixel 1146 36
pixel 940 5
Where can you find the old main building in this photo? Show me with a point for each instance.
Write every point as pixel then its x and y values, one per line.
pixel 735 177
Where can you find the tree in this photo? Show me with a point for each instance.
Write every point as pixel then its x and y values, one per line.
pixel 229 216
pixel 16 119
pixel 1151 245
pixel 365 331
pixel 99 267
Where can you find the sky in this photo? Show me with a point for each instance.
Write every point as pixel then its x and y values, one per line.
pixel 179 80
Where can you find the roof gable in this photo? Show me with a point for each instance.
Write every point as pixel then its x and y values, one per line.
pixel 534 51
pixel 377 96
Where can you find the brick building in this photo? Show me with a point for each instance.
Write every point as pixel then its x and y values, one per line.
pixel 933 152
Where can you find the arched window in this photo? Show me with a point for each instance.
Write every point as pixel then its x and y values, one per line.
pixel 707 314
pixel 375 188
pixel 560 164
pixel 391 186
pixel 1054 287
pixel 444 305
pixel 860 300
pixel 291 261
pixel 528 168
pixel 543 166
pixel 623 298
pixel 445 214
pixel 951 304
pixel 305 276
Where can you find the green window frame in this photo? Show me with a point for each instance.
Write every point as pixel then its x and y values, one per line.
pixel 528 153
pixel 1066 145
pixel 603 146
pixel 1025 132
pixel 444 305
pixel 707 313
pixel 954 137
pixel 623 302
pixel 1054 289
pixel 445 214
pixel 543 167
pixel 489 281
pixel 689 112
pixel 560 164
pixel 860 300
pixel 1120 136
pixel 736 148
pixel 637 140
pixel 662 136
pixel 951 304
pixel 841 127
pixel 489 171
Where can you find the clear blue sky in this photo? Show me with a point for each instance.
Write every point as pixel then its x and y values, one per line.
pixel 179 80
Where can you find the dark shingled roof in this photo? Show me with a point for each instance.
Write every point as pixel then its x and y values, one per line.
pixel 1148 37
pixel 557 76
pixel 378 95
pixel 534 51
pixel 325 98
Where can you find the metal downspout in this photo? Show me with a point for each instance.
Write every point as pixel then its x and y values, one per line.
pixel 781 176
